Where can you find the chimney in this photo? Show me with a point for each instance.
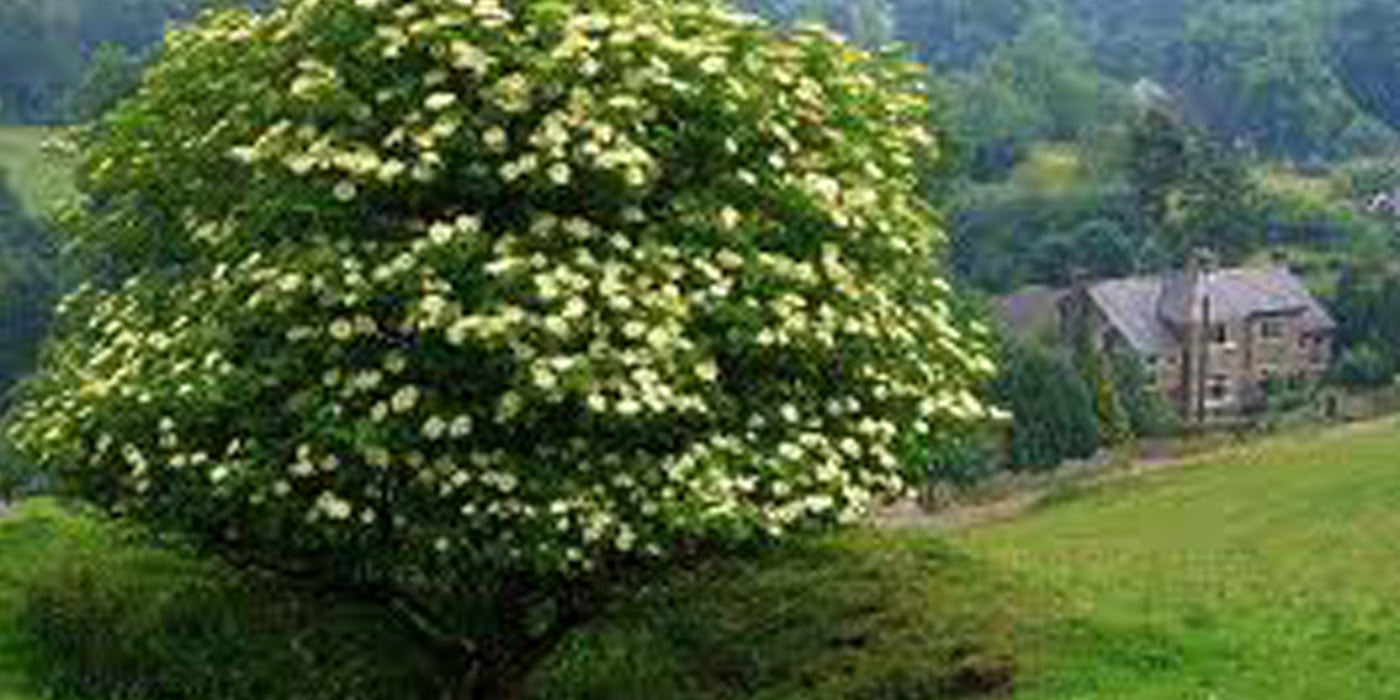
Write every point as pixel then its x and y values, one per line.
pixel 1076 317
pixel 1078 279
pixel 1178 301
pixel 1202 262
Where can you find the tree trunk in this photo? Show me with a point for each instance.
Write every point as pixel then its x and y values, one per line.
pixel 496 676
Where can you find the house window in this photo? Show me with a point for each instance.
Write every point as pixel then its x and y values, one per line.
pixel 1219 387
pixel 1270 329
pixel 1218 334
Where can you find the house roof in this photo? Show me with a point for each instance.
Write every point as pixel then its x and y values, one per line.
pixel 1131 306
pixel 1032 312
pixel 1136 305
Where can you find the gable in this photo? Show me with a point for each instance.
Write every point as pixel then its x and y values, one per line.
pixel 1130 305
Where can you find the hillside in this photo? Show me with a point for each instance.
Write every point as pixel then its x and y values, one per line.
pixel 1269 572
pixel 1263 572
pixel 38 176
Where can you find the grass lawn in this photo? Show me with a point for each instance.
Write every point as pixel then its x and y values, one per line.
pixel 1270 573
pixel 40 177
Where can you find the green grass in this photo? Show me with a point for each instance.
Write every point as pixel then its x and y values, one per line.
pixel 863 615
pixel 89 610
pixel 25 544
pixel 1270 573
pixel 40 176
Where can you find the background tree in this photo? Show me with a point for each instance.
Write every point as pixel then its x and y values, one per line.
pixel 1363 48
pixel 1157 165
pixel 1367 309
pixel 526 297
pixel 26 290
pixel 111 74
pixel 868 23
pixel 1220 206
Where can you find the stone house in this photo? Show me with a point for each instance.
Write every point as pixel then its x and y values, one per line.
pixel 1210 339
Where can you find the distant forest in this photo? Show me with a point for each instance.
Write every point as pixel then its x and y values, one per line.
pixel 1306 80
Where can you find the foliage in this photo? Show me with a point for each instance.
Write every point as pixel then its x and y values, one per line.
pixel 1364 366
pixel 1040 86
pixel 865 611
pixel 1283 395
pixel 1249 74
pixel 1367 311
pixel 524 295
pixel 26 290
pixel 1259 75
pixel 1112 421
pixel 864 616
pixel 1191 190
pixel 1148 414
pixel 1362 46
pixel 45 44
pixel 1220 206
pixel 111 74
pixel 50 50
pixel 1053 408
pixel 1157 144
pixel 1005 237
pixel 866 23
pixel 965 460
pixel 1361 179
pixel 949 34
pixel 111 616
pixel 37 164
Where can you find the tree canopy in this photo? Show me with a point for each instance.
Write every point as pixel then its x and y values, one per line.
pixel 520 293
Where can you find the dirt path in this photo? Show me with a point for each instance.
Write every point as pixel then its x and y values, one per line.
pixel 908 515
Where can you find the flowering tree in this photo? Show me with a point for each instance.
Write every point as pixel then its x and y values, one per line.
pixel 462 306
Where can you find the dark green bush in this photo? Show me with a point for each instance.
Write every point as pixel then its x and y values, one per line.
pixel 865 616
pixel 1148 414
pixel 113 617
pixel 1053 408
pixel 1364 366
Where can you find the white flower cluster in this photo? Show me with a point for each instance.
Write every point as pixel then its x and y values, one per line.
pixel 528 317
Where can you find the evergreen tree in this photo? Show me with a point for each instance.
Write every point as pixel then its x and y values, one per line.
pixel 1052 408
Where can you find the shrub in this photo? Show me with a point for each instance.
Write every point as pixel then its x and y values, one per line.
pixel 1054 409
pixel 110 616
pixel 519 294
pixel 1148 414
pixel 1363 366
pixel 863 616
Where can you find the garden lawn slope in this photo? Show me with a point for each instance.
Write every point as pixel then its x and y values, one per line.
pixel 1271 572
